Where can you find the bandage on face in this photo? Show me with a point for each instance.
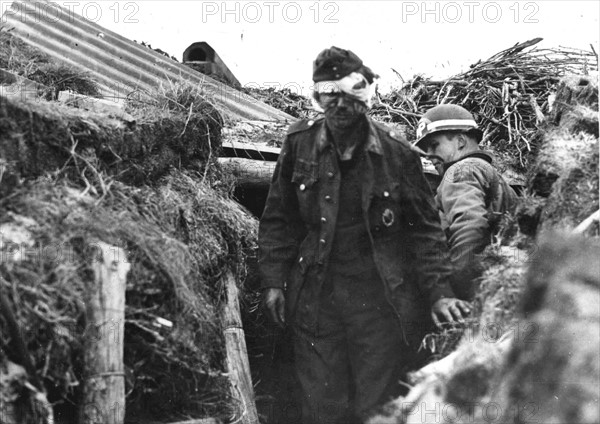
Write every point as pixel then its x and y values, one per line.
pixel 355 86
pixel 329 100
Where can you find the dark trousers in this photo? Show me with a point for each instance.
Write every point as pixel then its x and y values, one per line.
pixel 355 359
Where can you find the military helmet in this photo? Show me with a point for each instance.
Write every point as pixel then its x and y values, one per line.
pixel 446 118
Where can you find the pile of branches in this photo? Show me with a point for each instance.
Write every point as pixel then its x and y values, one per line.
pixel 509 94
pixel 286 100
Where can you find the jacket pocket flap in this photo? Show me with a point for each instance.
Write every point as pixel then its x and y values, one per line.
pixel 305 172
pixel 387 192
pixel 303 181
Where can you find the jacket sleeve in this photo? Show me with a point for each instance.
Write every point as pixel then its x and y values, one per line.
pixel 281 229
pixel 462 197
pixel 427 243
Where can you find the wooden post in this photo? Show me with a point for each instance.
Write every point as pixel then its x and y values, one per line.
pixel 237 356
pixel 249 172
pixel 104 378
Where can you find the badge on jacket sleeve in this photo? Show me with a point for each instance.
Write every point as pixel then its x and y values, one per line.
pixel 387 217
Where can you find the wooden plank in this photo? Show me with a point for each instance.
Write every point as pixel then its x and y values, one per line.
pixel 249 172
pixel 16 86
pixel 104 377
pixel 587 223
pixel 200 421
pixel 237 356
pixel 115 107
pixel 257 147
pixel 251 150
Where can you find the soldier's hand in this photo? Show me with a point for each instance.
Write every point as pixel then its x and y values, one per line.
pixel 274 304
pixel 450 310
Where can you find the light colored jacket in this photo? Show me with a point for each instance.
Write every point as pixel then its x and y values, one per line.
pixel 471 198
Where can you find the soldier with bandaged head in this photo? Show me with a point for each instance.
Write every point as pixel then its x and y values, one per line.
pixel 352 255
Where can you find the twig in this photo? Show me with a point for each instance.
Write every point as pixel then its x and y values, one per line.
pixel 209 153
pixel 187 120
pixel 22 357
pixel 594 51
pixel 398 74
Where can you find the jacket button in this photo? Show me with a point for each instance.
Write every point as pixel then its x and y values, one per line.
pixel 322 241
pixel 302 187
pixel 310 123
pixel 328 198
pixel 330 174
pixel 386 194
pixel 323 219
pixel 392 133
pixel 334 68
pixel 301 259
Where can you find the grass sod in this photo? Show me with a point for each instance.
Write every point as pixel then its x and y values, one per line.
pixel 575 193
pixel 178 237
pixel 38 137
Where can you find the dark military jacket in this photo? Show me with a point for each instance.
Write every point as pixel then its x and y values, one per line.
pixel 297 227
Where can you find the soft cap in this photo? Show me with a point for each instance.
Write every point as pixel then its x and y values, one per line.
pixel 334 63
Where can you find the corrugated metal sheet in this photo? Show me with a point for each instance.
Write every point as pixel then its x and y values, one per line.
pixel 119 65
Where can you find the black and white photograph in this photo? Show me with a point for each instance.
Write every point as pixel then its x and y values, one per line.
pixel 299 212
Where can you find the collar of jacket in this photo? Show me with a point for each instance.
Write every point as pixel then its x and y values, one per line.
pixel 481 154
pixel 373 143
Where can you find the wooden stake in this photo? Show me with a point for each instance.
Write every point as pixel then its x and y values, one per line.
pixel 587 223
pixel 104 382
pixel 237 356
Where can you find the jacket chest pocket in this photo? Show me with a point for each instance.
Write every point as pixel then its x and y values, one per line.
pixel 305 182
pixel 385 212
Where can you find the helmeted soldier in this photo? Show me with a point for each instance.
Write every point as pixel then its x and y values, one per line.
pixel 472 196
pixel 352 254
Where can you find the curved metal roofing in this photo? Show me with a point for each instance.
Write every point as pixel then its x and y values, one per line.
pixel 119 65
